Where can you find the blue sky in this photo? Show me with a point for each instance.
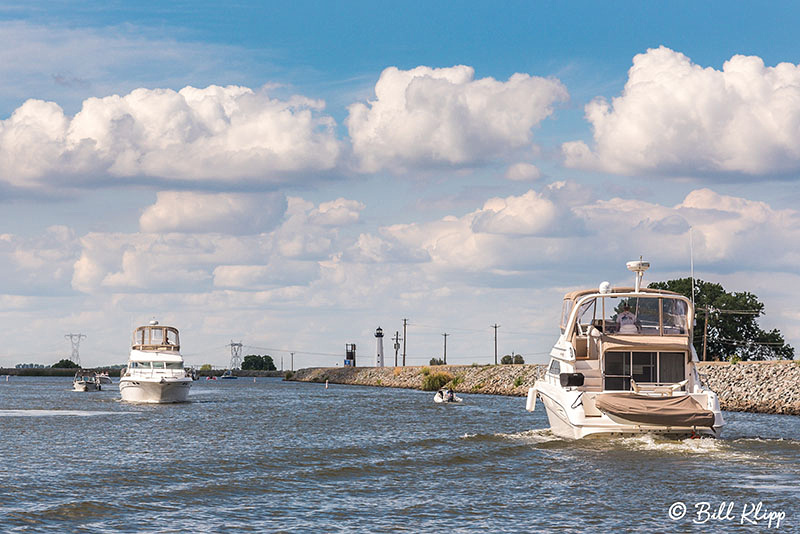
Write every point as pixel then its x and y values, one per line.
pixel 459 164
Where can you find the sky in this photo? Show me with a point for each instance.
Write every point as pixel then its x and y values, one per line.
pixel 292 175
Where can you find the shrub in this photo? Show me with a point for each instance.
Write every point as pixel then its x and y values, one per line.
pixel 518 382
pixel 518 358
pixel 507 359
pixel 288 375
pixel 459 379
pixel 434 381
pixel 436 361
pixel 425 371
pixel 735 359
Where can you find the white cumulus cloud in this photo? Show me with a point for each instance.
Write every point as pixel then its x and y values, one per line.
pixel 676 117
pixel 218 134
pixel 428 117
pixel 229 213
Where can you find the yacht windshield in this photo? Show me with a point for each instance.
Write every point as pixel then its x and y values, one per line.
pixel 645 315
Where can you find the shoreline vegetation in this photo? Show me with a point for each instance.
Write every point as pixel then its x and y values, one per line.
pixel 755 386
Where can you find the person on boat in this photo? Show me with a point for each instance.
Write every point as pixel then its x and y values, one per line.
pixel 627 323
pixel 450 395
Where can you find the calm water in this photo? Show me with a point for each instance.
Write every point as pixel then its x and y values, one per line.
pixel 274 456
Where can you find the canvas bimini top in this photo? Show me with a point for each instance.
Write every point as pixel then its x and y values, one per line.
pixel 156 337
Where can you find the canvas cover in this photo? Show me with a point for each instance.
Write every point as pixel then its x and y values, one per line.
pixel 680 410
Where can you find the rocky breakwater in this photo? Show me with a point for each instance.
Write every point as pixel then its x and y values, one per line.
pixel 486 379
pixel 763 387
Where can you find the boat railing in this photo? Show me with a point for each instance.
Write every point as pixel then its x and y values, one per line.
pixel 156 373
pixel 665 389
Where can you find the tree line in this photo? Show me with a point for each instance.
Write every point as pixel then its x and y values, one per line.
pixel 727 322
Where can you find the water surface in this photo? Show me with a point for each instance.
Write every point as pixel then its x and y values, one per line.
pixel 274 456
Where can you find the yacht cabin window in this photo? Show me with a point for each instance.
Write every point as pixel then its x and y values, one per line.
pixel 555 368
pixel 643 367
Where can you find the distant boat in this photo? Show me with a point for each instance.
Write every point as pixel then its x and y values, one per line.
pixel 155 372
pixel 86 381
pixel 228 375
pixel 446 396
pixel 104 378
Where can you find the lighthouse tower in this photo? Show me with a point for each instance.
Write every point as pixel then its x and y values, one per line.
pixel 379 355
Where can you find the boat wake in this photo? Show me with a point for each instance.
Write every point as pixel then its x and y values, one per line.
pixel 48 413
pixel 649 442
pixel 533 437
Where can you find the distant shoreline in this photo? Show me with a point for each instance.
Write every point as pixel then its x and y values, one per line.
pixel 758 387
pixel 56 371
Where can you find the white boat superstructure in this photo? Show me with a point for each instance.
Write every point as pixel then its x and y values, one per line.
pixel 624 364
pixel 155 372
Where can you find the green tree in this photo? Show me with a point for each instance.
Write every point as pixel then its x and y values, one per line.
pixel 507 359
pixel 65 364
pixel 206 367
pixel 732 323
pixel 518 358
pixel 436 361
pixel 255 362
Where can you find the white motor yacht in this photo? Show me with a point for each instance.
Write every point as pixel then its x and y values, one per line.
pixel 155 372
pixel 624 364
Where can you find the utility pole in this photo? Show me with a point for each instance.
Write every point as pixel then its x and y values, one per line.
pixel 281 363
pixel 292 353
pixel 396 346
pixel 705 333
pixel 495 326
pixel 405 322
pixel 445 347
pixel 75 340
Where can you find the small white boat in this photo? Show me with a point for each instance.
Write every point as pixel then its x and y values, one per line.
pixel 446 396
pixel 155 372
pixel 86 381
pixel 624 365
pixel 228 375
pixel 104 378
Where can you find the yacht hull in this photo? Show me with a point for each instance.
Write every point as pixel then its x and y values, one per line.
pixel 568 420
pixel 155 391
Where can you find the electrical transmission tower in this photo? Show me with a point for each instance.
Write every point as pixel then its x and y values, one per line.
pixel 236 355
pixel 75 341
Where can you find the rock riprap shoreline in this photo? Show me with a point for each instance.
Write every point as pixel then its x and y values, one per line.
pixel 763 387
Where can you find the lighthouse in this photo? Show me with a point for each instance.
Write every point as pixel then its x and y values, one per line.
pixel 379 355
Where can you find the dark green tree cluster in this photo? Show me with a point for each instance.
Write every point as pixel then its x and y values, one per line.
pixel 65 364
pixel 508 359
pixel 732 323
pixel 436 361
pixel 255 362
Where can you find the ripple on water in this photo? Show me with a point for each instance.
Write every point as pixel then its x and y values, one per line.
pixel 49 413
